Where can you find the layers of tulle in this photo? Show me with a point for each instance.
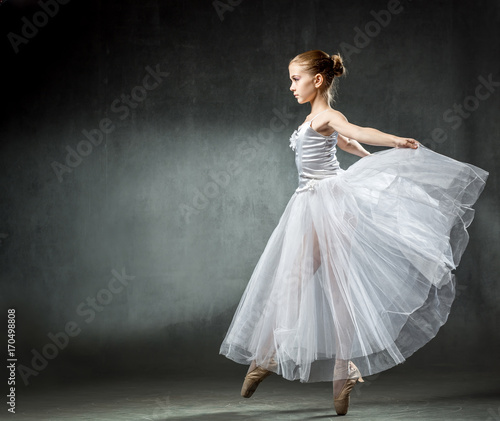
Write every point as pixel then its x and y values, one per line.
pixel 359 267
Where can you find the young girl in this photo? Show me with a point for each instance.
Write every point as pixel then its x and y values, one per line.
pixel 358 273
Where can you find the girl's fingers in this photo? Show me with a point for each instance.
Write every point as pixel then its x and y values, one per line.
pixel 412 143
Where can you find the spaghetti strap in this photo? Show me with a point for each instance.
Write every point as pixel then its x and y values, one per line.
pixel 309 121
pixel 321 112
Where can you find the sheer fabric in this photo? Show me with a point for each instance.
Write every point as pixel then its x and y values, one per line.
pixel 360 265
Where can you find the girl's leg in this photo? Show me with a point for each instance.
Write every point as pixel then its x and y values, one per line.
pixel 345 374
pixel 343 321
pixel 296 273
pixel 252 366
pixel 342 310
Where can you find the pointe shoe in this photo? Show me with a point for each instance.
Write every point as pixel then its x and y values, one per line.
pixel 341 402
pixel 253 379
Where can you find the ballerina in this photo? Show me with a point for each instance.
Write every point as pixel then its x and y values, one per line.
pixel 358 273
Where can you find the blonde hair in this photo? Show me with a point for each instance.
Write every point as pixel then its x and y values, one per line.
pixel 330 67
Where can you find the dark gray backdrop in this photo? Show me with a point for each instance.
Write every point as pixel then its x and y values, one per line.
pixel 185 187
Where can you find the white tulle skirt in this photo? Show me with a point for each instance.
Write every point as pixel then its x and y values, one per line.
pixel 359 267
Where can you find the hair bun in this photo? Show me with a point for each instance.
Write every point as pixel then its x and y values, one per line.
pixel 338 65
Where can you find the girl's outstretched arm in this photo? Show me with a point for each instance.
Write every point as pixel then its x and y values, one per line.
pixel 367 135
pixel 352 146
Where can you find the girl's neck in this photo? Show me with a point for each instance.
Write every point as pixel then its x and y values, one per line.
pixel 318 104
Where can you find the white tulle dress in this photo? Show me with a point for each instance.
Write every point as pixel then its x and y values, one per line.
pixel 360 265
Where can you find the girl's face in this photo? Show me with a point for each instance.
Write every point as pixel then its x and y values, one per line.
pixel 303 84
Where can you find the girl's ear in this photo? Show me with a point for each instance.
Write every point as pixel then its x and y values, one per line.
pixel 318 80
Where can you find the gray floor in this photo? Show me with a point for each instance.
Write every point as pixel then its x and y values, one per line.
pixel 398 394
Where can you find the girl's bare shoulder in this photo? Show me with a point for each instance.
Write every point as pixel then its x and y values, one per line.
pixel 335 115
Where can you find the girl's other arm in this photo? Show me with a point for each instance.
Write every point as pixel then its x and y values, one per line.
pixel 351 146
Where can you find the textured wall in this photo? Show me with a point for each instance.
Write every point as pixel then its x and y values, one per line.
pixel 145 160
